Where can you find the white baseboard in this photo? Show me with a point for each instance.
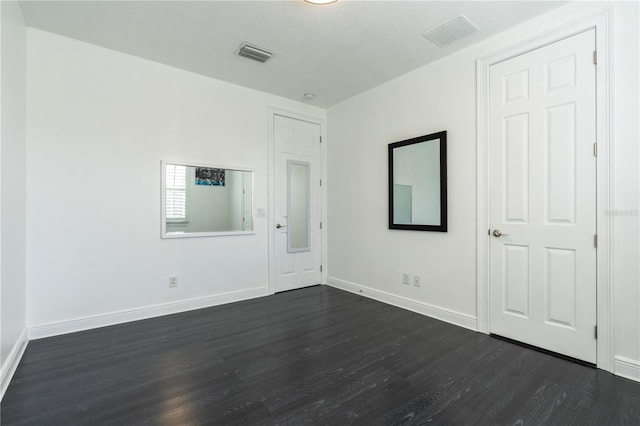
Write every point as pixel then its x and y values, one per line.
pixel 11 363
pixel 442 314
pixel 112 318
pixel 626 367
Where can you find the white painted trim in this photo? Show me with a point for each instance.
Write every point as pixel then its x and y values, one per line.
pixel 601 21
pixel 482 207
pixel 628 368
pixel 439 313
pixel 272 112
pixel 119 317
pixel 605 192
pixel 11 363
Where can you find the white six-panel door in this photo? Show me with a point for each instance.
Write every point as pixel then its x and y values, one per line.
pixel 542 184
pixel 297 170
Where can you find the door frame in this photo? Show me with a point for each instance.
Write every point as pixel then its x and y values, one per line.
pixel 604 181
pixel 271 220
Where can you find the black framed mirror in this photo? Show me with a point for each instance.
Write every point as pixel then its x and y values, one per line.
pixel 418 183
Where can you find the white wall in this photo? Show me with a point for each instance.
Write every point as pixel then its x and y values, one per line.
pixel 364 254
pixel 12 188
pixel 99 123
pixel 626 113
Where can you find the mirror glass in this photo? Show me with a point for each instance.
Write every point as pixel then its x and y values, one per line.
pixel 418 183
pixel 206 201
pixel 298 206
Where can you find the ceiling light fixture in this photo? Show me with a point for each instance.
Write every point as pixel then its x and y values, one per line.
pixel 309 96
pixel 320 1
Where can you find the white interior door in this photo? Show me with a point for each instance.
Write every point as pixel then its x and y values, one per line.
pixel 298 207
pixel 542 212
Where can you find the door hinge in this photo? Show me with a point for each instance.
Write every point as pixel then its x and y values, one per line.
pixel 595 331
pixel 320 268
pixel 320 225
pixel 595 149
pixel 595 240
pixel 320 182
pixel 320 139
pixel 595 57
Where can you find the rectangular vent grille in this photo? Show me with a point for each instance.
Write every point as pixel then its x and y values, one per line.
pixel 254 53
pixel 451 31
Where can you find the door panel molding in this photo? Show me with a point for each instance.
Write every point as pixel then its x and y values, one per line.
pixel 273 112
pixel 604 166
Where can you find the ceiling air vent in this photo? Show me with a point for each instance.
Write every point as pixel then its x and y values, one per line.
pixel 255 53
pixel 452 30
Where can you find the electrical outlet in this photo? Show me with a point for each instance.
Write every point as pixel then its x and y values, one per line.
pixel 405 279
pixel 416 280
pixel 173 281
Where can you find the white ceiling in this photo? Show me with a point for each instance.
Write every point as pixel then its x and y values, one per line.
pixel 335 51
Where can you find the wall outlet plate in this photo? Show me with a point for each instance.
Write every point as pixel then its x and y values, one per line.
pixel 405 279
pixel 173 281
pixel 416 281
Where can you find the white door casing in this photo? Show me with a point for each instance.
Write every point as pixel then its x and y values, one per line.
pixel 542 197
pixel 296 147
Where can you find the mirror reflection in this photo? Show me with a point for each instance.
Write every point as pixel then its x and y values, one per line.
pixel 417 183
pixel 203 201
pixel 298 206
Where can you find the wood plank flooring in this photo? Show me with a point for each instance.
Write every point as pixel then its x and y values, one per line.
pixel 313 356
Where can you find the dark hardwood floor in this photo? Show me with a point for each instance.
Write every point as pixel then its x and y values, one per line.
pixel 312 356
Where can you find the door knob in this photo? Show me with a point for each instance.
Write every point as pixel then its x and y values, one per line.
pixel 498 233
pixel 278 226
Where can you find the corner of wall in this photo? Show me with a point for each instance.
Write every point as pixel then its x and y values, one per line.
pixel 12 190
pixel 10 365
